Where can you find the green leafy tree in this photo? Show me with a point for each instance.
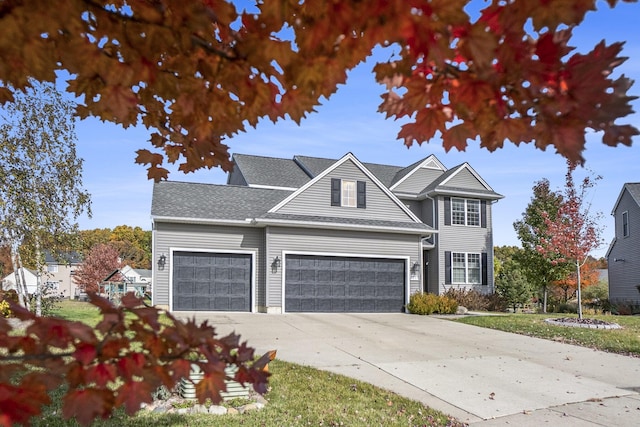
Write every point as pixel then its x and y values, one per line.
pixel 133 244
pixel 539 270
pixel 40 175
pixel 511 282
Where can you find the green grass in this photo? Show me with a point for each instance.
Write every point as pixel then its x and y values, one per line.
pixel 77 310
pixel 298 396
pixel 622 341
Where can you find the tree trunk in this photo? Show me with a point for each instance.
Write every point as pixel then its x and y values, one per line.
pixel 578 292
pixel 38 279
pixel 544 299
pixel 23 300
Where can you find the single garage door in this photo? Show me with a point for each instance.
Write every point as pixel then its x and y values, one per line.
pixel 344 284
pixel 211 281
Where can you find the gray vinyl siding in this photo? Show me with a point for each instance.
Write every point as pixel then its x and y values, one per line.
pixel 427 215
pixel 316 200
pixel 236 177
pixel 212 238
pixel 418 180
pixel 465 179
pixel 415 206
pixel 624 276
pixel 334 242
pixel 456 238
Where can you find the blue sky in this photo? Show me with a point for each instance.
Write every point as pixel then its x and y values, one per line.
pixel 348 122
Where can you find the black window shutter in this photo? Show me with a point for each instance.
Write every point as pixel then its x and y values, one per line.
pixel 335 192
pixel 483 213
pixel 447 211
pixel 362 194
pixel 485 272
pixel 447 267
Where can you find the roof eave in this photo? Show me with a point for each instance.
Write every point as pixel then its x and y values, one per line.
pixel 204 221
pixel 341 226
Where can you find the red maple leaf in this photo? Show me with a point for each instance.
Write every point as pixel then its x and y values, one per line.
pixel 87 404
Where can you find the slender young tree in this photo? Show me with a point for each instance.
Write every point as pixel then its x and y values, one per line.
pixel 40 175
pixel 540 270
pixel 573 233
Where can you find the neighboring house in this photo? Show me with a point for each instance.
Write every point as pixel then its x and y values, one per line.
pixel 319 235
pixel 126 279
pixel 137 279
pixel 59 273
pixel 623 256
pixel 9 282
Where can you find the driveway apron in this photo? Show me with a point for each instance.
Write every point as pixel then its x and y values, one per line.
pixel 480 376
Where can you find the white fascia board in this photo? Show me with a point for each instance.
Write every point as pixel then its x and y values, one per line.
pixel 273 187
pixel 183 220
pixel 463 193
pixel 338 226
pixel 363 169
pixel 421 165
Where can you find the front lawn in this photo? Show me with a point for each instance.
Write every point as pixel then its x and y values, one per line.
pixel 298 395
pixel 622 341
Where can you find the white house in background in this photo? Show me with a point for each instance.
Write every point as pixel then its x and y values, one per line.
pixel 9 282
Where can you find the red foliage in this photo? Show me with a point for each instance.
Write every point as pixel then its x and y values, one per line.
pixel 101 261
pixel 198 72
pixel 118 364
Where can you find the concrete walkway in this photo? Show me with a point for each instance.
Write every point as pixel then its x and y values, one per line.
pixel 480 376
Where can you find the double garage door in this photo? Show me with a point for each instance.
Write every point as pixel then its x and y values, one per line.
pixel 344 284
pixel 211 281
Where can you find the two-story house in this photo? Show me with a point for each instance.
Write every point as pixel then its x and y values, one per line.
pixel 59 273
pixel 623 256
pixel 321 235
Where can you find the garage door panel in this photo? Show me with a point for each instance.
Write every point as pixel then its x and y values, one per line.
pixel 211 281
pixel 356 284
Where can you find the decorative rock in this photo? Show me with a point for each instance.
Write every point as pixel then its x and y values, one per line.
pixel 462 310
pixel 159 410
pixel 182 411
pixel 199 409
pixel 232 411
pixel 218 410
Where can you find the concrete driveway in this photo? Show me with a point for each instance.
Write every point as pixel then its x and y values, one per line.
pixel 480 376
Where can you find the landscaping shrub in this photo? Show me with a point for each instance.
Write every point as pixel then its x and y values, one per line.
pixel 5 297
pixel 421 303
pixel 625 308
pixel 474 300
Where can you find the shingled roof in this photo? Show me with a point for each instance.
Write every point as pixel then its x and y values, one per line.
pixel 187 200
pixel 270 171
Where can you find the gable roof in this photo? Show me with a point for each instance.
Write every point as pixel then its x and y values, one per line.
pixel 405 173
pixel 272 172
pixel 634 191
pixel 439 185
pixel 193 202
pixel 316 165
pixel 364 170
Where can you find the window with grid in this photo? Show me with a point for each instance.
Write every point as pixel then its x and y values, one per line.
pixel 458 212
pixel 466 268
pixel 458 268
pixel 465 212
pixel 473 268
pixel 349 193
pixel 473 212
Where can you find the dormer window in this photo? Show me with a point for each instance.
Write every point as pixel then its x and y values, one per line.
pixel 348 193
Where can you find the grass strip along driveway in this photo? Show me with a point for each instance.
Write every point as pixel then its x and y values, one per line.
pixel 298 396
pixel 625 341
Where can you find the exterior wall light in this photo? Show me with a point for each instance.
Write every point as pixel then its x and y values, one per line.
pixel 162 260
pixel 275 264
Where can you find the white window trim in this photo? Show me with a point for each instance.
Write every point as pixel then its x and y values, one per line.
pixel 466 212
pixel 347 197
pixel 466 268
pixel 625 214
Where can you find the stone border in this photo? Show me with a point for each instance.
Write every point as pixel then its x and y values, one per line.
pixel 559 322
